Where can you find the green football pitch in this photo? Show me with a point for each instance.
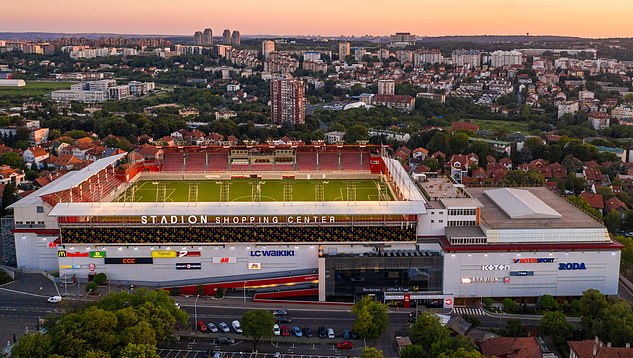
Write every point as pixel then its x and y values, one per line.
pixel 257 190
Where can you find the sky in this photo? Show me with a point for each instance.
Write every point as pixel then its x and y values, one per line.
pixel 584 18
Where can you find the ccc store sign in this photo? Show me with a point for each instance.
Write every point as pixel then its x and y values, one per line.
pixel 128 261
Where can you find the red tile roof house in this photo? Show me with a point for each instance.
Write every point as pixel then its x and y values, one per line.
pixel 594 200
pixel 596 349
pixel 511 347
pixel 615 204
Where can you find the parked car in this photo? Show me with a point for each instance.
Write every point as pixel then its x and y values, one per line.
pixel 202 327
pixel 277 355
pixel 217 354
pixel 307 332
pixel 212 327
pixel 345 345
pixel 237 327
pixel 297 331
pixel 276 330
pixel 354 334
pixel 283 319
pixel 322 332
pixel 55 299
pixel 284 331
pixel 347 334
pixel 226 340
pixel 330 333
pixel 224 327
pixel 280 312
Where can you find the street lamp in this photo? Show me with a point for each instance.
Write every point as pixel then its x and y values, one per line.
pixel 195 313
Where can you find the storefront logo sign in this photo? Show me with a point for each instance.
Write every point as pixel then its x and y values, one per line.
pixel 129 260
pixel 224 260
pixel 533 260
pixel 521 273
pixel 273 253
pixel 468 280
pixel 97 254
pixel 572 266
pixel 185 253
pixel 164 254
pixel 495 267
pixel 254 266
pixel 189 266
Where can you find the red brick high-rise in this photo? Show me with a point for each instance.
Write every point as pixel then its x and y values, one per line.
pixel 287 101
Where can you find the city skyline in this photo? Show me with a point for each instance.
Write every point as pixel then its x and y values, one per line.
pixel 329 18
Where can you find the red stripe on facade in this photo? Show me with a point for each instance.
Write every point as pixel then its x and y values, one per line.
pixel 571 246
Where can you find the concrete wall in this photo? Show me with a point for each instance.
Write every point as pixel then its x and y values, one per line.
pixel 601 272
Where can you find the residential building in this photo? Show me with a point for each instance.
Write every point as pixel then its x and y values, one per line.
pixel 312 56
pixel 424 56
pixel 402 102
pixel 268 46
pixel 402 39
pixel 207 37
pixel 570 107
pixel 236 39
pixel 226 37
pixel 287 101
pixel 334 137
pixel 343 50
pixel 597 349
pixel 470 58
pixel 599 120
pixel 35 156
pixel 386 87
pixel 506 58
pixel 359 53
pixel 391 135
pixel 197 38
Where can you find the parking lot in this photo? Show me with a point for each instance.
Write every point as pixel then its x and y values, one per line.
pixel 174 353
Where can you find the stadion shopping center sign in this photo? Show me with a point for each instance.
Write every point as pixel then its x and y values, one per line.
pixel 219 220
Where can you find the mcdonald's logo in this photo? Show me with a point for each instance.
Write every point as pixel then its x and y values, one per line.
pixel 61 253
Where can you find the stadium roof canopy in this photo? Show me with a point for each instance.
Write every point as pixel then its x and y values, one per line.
pixel 239 209
pixel 521 204
pixel 69 180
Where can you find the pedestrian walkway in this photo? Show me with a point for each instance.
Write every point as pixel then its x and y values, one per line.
pixel 468 311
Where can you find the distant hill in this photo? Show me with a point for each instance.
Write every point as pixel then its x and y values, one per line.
pixel 496 38
pixel 43 36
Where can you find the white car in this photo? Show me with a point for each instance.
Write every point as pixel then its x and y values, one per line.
pixel 330 333
pixel 237 327
pixel 276 330
pixel 212 328
pixel 55 299
pixel 224 327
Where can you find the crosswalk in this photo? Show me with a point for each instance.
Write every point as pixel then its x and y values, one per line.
pixel 468 311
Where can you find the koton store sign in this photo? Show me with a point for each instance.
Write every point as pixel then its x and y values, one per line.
pixel 495 267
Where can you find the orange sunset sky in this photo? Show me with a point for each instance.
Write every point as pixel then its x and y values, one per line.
pixel 605 18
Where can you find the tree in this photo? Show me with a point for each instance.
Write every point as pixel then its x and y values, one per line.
pixel 100 278
pixel 549 303
pixel 592 307
pixel 461 353
pixel 91 287
pixel 613 221
pixel 258 324
pixel 412 351
pixel 356 133
pixel 371 318
pixel 555 325
pixel 14 160
pixel 371 352
pixel 139 351
pixel 32 345
pixel 514 328
pixel 428 330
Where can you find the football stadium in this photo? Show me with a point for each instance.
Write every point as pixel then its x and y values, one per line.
pixel 326 222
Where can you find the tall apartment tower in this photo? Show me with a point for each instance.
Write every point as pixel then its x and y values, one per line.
pixel 197 38
pixel 387 87
pixel 207 37
pixel 343 50
pixel 236 39
pixel 226 37
pixel 287 101
pixel 268 46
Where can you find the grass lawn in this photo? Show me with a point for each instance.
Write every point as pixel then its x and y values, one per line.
pixel 501 126
pixel 242 189
pixel 33 89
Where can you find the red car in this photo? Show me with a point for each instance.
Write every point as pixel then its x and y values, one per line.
pixel 345 345
pixel 284 331
pixel 202 327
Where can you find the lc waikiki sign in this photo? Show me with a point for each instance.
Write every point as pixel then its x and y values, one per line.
pixel 219 220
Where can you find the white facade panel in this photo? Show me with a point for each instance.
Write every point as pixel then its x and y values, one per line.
pixel 497 274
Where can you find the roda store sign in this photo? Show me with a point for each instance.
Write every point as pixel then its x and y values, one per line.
pixel 572 266
pixel 128 261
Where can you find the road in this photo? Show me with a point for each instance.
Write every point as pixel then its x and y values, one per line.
pixel 19 311
pixel 313 316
